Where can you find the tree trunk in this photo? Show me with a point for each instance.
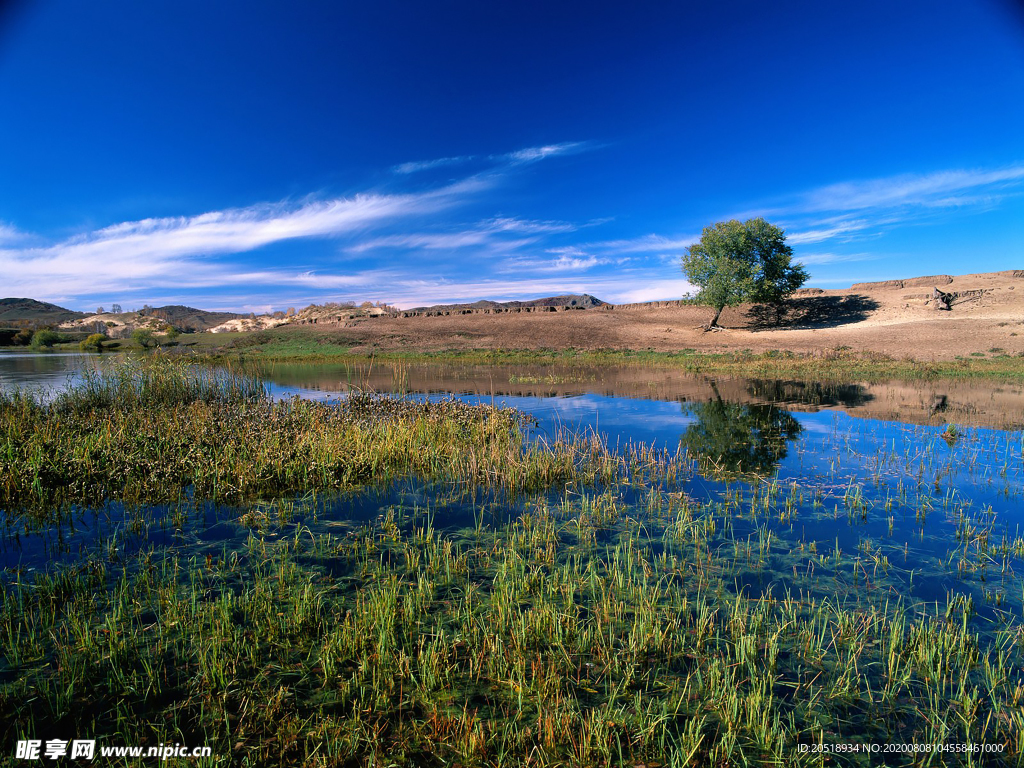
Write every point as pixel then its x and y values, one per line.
pixel 714 320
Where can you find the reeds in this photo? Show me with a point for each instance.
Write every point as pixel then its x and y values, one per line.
pixel 143 432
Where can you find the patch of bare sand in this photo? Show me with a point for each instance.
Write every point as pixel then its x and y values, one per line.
pixel 896 318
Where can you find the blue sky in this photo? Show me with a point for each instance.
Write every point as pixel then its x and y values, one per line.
pixel 255 156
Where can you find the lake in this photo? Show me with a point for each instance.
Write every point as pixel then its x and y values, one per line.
pixel 860 495
pixel 821 438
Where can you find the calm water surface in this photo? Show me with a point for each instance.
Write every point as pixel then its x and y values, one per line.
pixel 44 374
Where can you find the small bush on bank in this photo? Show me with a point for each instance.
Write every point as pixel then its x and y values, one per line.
pixel 94 343
pixel 44 339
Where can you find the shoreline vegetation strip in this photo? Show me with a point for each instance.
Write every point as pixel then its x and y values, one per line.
pixel 832 364
pixel 585 631
pixel 824 365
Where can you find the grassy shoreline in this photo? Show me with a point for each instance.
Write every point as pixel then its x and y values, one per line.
pixel 830 365
pixel 836 364
pixel 143 430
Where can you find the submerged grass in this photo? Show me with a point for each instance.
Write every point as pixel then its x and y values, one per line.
pixel 573 636
pixel 587 631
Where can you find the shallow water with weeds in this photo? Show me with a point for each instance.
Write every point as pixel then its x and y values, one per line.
pixel 613 581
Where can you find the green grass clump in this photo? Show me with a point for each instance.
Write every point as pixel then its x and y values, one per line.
pixel 152 431
pixel 134 384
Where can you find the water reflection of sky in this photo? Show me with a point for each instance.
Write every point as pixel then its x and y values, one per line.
pixel 619 420
pixel 984 464
pixel 43 374
pixel 831 447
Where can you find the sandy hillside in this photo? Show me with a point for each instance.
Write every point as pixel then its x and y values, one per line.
pixel 258 323
pixel 895 317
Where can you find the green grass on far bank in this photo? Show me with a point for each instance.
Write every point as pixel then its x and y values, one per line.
pixel 829 365
pixel 198 342
pixel 840 364
pixel 837 364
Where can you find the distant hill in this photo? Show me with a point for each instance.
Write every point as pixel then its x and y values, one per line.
pixel 21 313
pixel 29 312
pixel 188 318
pixel 584 300
pixel 121 324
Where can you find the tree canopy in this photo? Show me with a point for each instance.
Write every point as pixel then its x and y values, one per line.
pixel 44 338
pixel 736 262
pixel 94 343
pixel 143 337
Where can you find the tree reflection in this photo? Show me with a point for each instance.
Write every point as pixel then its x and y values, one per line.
pixel 739 438
pixel 809 392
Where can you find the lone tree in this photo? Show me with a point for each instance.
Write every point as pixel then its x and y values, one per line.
pixel 144 338
pixel 737 262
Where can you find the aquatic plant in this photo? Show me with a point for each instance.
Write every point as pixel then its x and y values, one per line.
pixel 591 608
pixel 951 435
pixel 147 431
pixel 507 647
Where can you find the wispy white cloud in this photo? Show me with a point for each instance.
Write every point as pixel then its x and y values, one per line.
pixel 426 165
pixel 319 279
pixel 565 259
pixel 10 234
pixel 506 224
pixel 965 201
pixel 208 253
pixel 816 259
pixel 178 250
pixel 427 241
pixel 909 189
pixel 500 234
pixel 855 210
pixel 647 243
pixel 533 154
pixel 517 157
pixel 827 229
pixel 566 262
